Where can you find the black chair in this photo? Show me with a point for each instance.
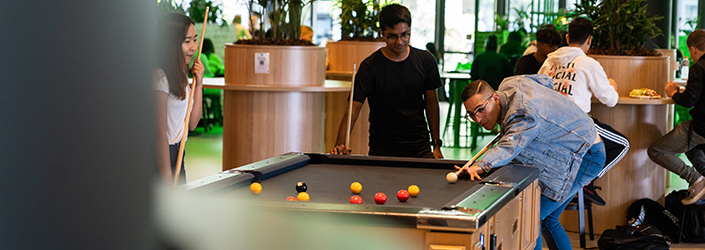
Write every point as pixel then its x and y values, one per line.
pixel 579 203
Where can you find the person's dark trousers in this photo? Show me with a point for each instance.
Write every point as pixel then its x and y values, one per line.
pixel 173 154
pixel 696 156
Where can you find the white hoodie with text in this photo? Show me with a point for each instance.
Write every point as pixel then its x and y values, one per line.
pixel 578 77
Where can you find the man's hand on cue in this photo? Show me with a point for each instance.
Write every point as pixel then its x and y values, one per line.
pixel 340 150
pixel 474 172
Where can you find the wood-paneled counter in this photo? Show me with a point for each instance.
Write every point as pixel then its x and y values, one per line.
pixel 636 176
pixel 262 121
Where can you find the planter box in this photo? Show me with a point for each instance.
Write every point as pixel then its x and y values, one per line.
pixel 342 54
pixel 632 72
pixel 287 65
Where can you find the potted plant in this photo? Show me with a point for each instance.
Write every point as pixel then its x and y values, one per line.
pixel 274 99
pixel 359 30
pixel 283 58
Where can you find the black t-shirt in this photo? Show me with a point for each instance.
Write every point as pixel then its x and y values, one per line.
pixel 527 65
pixel 395 91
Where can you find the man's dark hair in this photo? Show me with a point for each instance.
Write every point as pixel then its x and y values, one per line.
pixel 393 14
pixel 491 43
pixel 477 87
pixel 579 30
pixel 548 34
pixel 696 39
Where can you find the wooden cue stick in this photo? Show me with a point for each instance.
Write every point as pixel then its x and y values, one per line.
pixel 350 107
pixel 494 140
pixel 180 158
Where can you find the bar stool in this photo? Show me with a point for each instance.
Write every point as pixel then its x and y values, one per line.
pixel 580 204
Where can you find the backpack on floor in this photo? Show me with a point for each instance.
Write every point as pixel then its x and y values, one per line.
pixel 652 213
pixel 692 217
pixel 643 236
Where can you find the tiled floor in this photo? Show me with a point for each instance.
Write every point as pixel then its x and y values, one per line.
pixel 204 158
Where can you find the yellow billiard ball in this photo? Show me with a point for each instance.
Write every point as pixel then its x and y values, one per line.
pixel 255 188
pixel 414 190
pixel 303 196
pixel 356 187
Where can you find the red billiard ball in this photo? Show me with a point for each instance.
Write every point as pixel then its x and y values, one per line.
pixel 290 198
pixel 380 198
pixel 355 199
pixel 402 195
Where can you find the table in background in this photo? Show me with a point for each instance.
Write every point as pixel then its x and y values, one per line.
pixel 503 208
pixel 456 83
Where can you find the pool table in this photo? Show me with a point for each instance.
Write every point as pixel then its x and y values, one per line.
pixel 499 212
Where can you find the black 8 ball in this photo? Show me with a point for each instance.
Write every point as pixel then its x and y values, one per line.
pixel 301 187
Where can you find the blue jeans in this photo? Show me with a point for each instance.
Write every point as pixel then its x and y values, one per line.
pixel 556 238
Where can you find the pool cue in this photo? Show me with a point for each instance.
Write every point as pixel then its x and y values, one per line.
pixel 494 140
pixel 350 106
pixel 180 158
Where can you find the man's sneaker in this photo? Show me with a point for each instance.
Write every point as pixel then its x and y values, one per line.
pixel 591 194
pixel 695 192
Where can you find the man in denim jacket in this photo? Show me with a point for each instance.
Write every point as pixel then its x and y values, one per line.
pixel 542 128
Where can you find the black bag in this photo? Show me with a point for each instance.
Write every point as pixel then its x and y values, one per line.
pixel 631 238
pixel 692 217
pixel 651 212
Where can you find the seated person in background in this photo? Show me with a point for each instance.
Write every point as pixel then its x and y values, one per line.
pixel 214 63
pixel 240 31
pixel 400 83
pixel 490 66
pixel 514 47
pixel 547 41
pixel 306 33
pixel 686 136
pixel 431 48
pixel 538 127
pixel 579 77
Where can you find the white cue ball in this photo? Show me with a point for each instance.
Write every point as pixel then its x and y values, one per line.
pixel 451 177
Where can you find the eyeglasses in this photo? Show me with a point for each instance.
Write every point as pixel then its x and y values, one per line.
pixel 478 111
pixel 394 37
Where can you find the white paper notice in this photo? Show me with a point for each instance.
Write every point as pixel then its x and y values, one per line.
pixel 261 63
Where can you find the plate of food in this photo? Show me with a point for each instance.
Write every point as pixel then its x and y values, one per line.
pixel 644 93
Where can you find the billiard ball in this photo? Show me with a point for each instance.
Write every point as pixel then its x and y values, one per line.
pixel 303 196
pixel 290 198
pixel 301 187
pixel 356 187
pixel 380 198
pixel 402 195
pixel 451 177
pixel 413 190
pixel 355 199
pixel 256 188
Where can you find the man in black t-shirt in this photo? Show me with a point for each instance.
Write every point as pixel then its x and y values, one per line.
pixel 547 40
pixel 400 83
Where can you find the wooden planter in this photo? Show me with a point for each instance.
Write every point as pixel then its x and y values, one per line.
pixel 288 65
pixel 642 121
pixel 268 114
pixel 343 54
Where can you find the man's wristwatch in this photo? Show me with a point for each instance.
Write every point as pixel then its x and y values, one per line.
pixel 437 143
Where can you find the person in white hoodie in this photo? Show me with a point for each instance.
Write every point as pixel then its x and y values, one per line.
pixel 579 77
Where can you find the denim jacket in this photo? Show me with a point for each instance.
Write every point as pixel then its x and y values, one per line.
pixel 542 128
